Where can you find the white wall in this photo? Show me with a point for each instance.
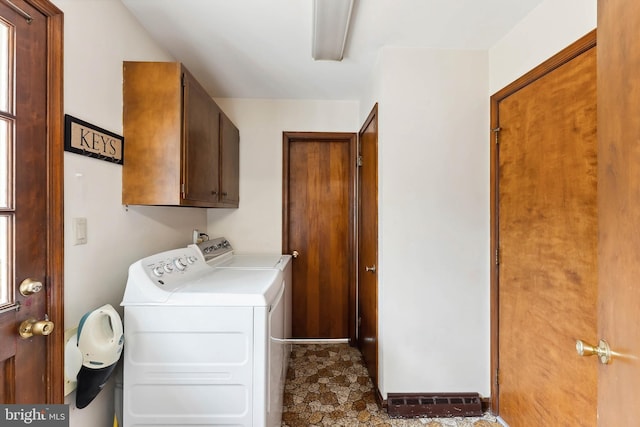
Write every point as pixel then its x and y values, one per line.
pixel 256 226
pixel 98 36
pixel 372 96
pixel 548 29
pixel 434 221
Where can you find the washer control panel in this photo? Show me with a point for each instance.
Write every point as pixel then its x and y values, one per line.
pixel 167 266
pixel 213 248
pixel 174 266
pixel 152 280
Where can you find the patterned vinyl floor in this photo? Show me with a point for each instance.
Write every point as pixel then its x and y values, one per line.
pixel 328 385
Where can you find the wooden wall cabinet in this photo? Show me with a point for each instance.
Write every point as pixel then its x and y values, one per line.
pixel 229 162
pixel 180 148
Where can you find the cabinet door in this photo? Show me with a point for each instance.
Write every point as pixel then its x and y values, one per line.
pixel 200 149
pixel 229 162
pixel 152 100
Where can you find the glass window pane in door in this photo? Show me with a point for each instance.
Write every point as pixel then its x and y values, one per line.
pixel 5 66
pixel 6 170
pixel 6 163
pixel 6 95
pixel 6 296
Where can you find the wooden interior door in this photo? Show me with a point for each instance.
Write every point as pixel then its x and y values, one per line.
pixel 368 244
pixel 318 215
pixel 619 210
pixel 547 230
pixel 31 200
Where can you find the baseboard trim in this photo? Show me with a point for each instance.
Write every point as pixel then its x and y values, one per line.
pixel 382 403
pixel 316 341
pixel 486 404
pixel 502 422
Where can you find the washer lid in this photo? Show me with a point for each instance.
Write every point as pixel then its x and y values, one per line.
pixel 229 287
pixel 252 261
pixel 219 287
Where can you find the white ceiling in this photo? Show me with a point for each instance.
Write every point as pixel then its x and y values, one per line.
pixel 262 48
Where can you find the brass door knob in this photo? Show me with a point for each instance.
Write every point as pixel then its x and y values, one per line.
pixel 371 269
pixel 603 351
pixel 31 327
pixel 295 254
pixel 30 286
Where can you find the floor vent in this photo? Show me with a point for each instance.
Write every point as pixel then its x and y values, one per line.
pixel 431 405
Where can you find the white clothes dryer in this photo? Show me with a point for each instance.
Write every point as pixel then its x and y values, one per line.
pixel 203 345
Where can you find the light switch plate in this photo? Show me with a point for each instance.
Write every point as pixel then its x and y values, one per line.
pixel 79 231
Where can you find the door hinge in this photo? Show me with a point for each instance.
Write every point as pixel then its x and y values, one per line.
pixel 497 377
pixel 496 131
pixel 497 256
pixel 182 188
pixel 359 161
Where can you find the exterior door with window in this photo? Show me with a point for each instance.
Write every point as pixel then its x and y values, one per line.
pixel 30 202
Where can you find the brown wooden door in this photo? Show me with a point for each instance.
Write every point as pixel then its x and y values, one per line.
pixel 319 177
pixel 368 244
pixel 547 239
pixel 30 200
pixel 619 210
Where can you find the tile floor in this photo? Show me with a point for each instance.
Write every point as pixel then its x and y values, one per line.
pixel 328 385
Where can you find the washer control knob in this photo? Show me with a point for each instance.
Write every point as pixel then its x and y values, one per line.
pixel 168 268
pixel 158 271
pixel 191 259
pixel 180 263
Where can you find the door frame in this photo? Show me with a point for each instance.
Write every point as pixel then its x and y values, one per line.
pixel 574 50
pixel 352 139
pixel 55 198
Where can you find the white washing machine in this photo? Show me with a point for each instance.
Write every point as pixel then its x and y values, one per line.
pixel 219 253
pixel 204 345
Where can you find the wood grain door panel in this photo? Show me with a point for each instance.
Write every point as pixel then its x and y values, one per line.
pixel 26 132
pixel 319 198
pixel 547 228
pixel 31 369
pixel 619 210
pixel 368 245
